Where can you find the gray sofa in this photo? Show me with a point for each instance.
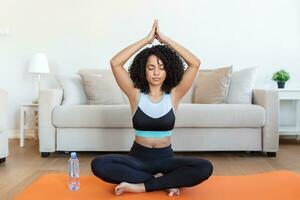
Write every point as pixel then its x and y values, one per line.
pixel 3 126
pixel 198 127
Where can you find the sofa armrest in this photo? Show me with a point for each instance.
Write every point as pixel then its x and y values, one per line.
pixel 268 99
pixel 48 100
pixel 3 125
pixel 3 109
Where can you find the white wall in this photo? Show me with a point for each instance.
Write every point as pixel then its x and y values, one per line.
pixel 79 34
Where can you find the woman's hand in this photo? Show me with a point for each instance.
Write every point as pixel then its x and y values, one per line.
pixel 156 34
pixel 151 36
pixel 159 36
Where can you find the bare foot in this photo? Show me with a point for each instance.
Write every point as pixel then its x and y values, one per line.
pixel 129 187
pixel 173 191
pixel 158 175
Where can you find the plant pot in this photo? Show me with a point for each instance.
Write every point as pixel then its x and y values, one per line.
pixel 280 84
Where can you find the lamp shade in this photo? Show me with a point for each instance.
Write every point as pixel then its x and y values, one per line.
pixel 38 64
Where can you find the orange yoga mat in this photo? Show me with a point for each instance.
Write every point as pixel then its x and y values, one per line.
pixel 275 185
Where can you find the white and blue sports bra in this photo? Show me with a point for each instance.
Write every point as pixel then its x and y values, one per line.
pixel 154 119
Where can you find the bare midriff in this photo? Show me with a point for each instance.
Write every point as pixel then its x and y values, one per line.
pixel 153 142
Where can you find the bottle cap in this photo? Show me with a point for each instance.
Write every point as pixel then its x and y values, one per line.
pixel 73 154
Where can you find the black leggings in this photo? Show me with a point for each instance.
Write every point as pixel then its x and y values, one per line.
pixel 142 163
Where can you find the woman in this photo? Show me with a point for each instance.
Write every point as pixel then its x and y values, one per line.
pixel 156 83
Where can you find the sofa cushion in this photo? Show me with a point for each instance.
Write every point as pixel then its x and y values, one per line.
pixel 188 115
pixel 101 87
pixel 92 116
pixel 211 86
pixel 73 91
pixel 220 115
pixel 241 85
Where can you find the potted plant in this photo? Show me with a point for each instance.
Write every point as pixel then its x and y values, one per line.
pixel 281 77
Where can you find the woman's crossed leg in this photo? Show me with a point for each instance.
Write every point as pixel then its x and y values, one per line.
pixel 136 175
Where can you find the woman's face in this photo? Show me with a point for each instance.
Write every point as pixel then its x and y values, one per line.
pixel 155 71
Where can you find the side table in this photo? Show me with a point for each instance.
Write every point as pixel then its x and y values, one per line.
pixel 29 120
pixel 289 123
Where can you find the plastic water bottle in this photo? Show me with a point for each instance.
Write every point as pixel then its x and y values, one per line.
pixel 74 172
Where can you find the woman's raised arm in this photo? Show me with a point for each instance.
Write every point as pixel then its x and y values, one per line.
pixel 117 63
pixel 192 61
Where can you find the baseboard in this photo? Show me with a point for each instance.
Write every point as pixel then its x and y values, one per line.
pixel 15 133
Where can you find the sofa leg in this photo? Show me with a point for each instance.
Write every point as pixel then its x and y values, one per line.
pixel 45 154
pixel 2 160
pixel 271 154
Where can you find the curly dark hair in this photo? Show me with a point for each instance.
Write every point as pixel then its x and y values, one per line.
pixel 173 64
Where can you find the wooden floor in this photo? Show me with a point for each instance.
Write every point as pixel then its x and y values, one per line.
pixel 25 165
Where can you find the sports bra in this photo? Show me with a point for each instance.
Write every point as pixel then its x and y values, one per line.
pixel 154 119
